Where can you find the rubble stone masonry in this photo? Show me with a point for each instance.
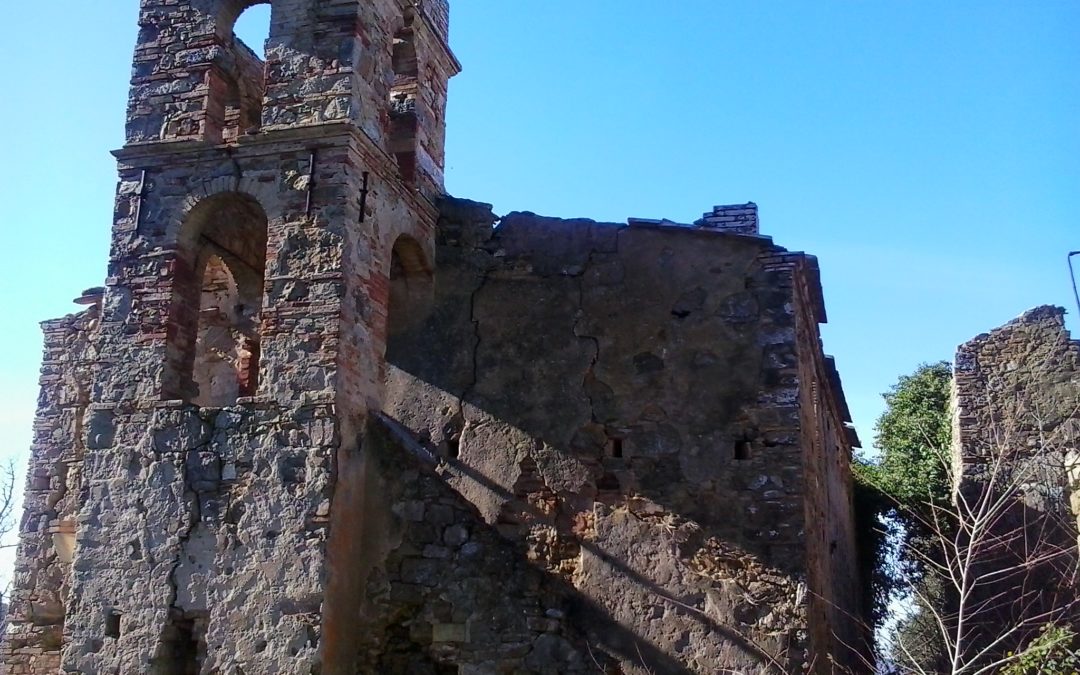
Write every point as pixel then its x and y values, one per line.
pixel 1017 422
pixel 322 418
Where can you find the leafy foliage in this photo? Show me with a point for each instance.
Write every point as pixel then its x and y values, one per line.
pixel 914 435
pixel 874 533
pixel 893 490
pixel 1055 651
pixel 917 541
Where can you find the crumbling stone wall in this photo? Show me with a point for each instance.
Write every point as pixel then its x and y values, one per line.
pixel 626 408
pixel 217 495
pixel 1017 425
pixel 826 436
pixel 42 580
pixel 1017 385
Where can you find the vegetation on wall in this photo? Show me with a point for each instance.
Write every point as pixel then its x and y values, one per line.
pixel 914 434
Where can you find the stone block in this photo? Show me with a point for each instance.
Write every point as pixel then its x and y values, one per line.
pixel 449 632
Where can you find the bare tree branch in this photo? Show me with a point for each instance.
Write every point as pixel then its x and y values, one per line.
pixel 1004 549
pixel 7 500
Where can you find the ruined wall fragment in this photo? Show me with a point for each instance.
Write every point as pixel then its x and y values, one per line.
pixel 627 410
pixel 448 593
pixel 42 583
pixel 1016 428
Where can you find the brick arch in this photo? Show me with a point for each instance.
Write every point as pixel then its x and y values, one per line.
pixel 230 10
pixel 413 239
pixel 262 192
pixel 200 211
pixel 232 227
pixel 411 255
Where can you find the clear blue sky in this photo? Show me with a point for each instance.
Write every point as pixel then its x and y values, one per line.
pixel 927 152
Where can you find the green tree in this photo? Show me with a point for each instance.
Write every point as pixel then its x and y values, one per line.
pixel 914 435
pixel 897 493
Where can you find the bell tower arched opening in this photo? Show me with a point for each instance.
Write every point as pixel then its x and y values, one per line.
pixel 252 27
pixel 214 340
pixel 237 81
pixel 403 94
pixel 227 342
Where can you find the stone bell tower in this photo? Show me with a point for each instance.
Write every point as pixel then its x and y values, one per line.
pixel 193 498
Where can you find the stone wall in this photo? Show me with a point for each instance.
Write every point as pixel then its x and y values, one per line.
pixel 1018 384
pixel 624 403
pixel 216 497
pixel 826 437
pixel 448 594
pixel 42 581
pixel 1017 432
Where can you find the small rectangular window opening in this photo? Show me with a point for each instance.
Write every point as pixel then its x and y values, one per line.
pixel 742 450
pixel 182 649
pixel 112 624
pixel 615 447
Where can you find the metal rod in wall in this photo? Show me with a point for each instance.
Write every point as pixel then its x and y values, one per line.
pixel 310 182
pixel 363 197
pixel 139 200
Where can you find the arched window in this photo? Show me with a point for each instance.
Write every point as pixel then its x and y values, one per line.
pixel 403 94
pixel 252 27
pixel 213 353
pixel 238 80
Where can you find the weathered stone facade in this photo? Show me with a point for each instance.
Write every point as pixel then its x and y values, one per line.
pixel 322 418
pixel 1017 432
pixel 625 403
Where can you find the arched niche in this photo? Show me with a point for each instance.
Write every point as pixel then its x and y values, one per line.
pixel 213 342
pixel 411 286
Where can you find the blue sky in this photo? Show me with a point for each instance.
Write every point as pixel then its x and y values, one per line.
pixel 927 152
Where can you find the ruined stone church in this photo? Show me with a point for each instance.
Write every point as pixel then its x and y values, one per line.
pixel 323 418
